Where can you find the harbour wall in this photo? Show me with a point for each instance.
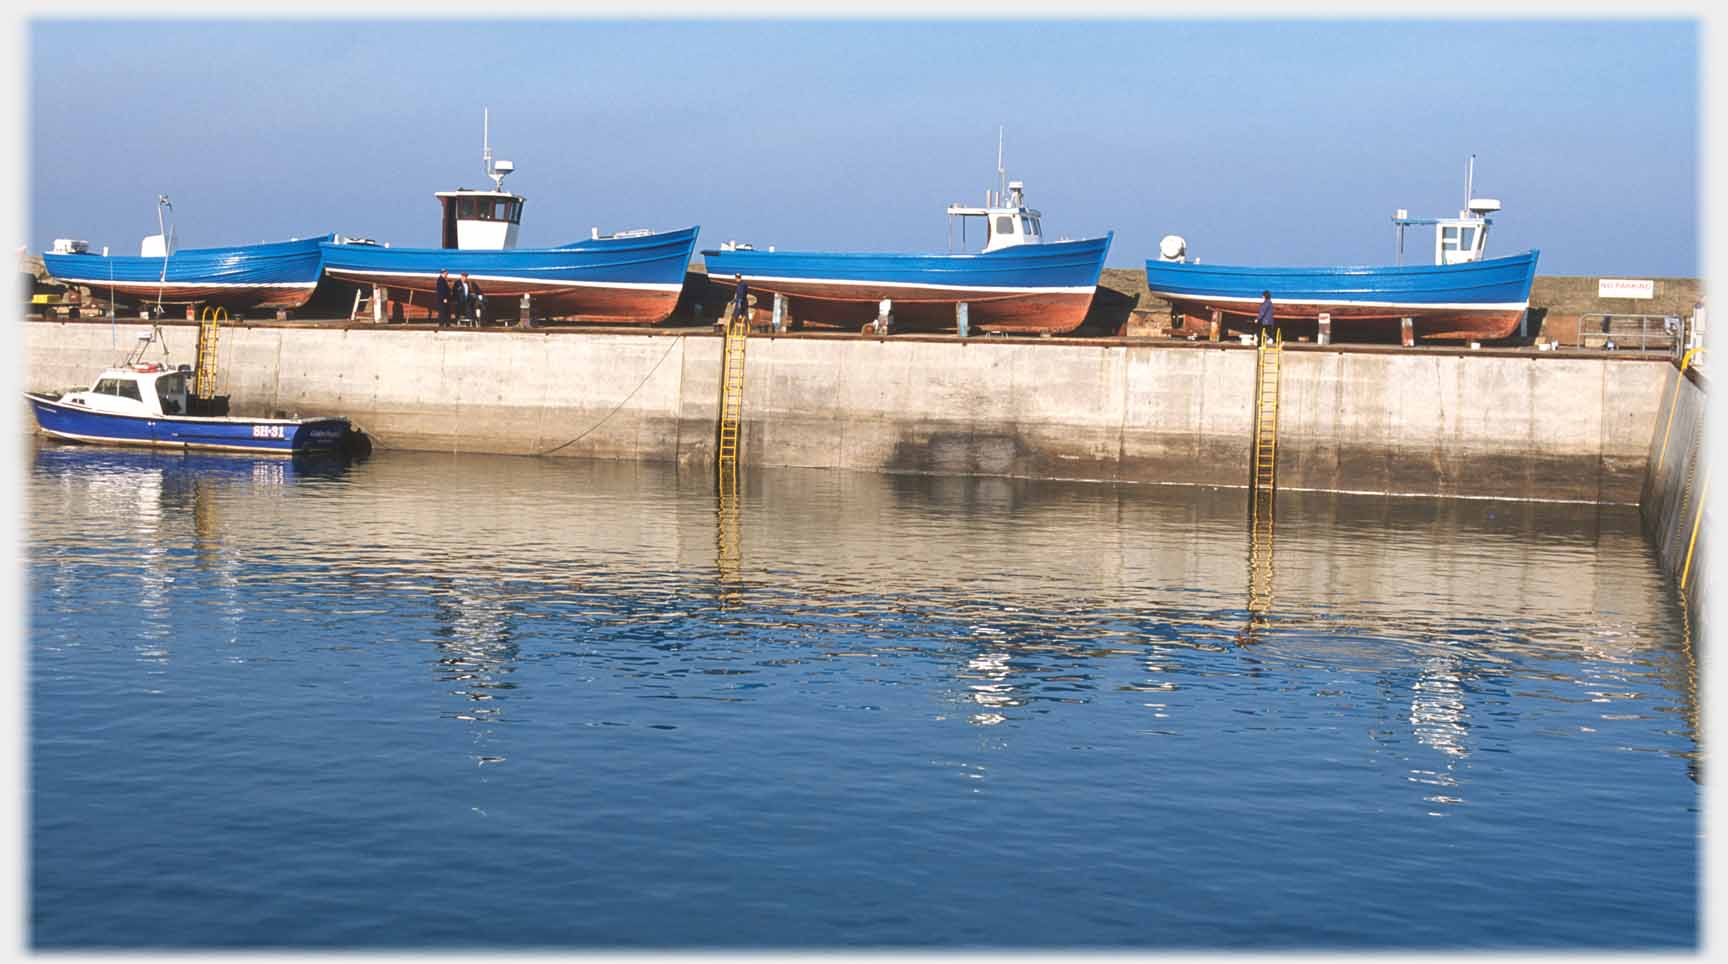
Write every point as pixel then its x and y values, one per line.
pixel 1491 424
pixel 1675 513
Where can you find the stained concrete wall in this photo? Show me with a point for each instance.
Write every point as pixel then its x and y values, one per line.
pixel 646 398
pixel 1492 424
pixel 1523 424
pixel 1676 515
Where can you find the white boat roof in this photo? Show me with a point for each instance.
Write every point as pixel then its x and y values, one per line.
pixel 477 192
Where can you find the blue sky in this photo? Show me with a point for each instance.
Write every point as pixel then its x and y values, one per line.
pixel 1260 141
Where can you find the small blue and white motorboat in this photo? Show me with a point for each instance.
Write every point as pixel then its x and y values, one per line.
pixel 142 403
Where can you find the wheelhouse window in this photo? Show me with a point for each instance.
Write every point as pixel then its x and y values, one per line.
pixel 1004 224
pixel 1031 226
pixel 489 209
pixel 1466 239
pixel 129 389
pixel 170 389
pixel 1449 238
pixel 108 386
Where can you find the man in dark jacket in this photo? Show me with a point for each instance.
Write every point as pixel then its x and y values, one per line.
pixel 1263 320
pixel 473 300
pixel 740 299
pixel 443 298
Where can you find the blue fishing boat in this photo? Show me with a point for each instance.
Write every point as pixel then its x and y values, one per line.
pixel 281 274
pixel 140 403
pixel 631 277
pixel 270 275
pixel 1461 296
pixel 1019 282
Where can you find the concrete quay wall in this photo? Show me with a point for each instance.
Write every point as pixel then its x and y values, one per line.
pixel 1420 422
pixel 1675 513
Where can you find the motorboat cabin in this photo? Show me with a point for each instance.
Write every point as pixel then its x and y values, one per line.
pixel 146 390
pixel 1006 225
pixel 481 220
pixel 1459 240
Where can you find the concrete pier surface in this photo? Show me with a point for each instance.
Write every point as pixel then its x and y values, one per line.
pixel 1489 423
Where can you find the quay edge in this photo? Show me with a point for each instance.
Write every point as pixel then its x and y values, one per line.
pixel 1429 422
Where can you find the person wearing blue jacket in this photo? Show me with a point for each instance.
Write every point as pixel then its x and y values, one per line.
pixel 740 299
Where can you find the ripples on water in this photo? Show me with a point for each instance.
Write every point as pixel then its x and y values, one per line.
pixel 451 701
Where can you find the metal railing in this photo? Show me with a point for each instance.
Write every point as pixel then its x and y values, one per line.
pixel 1618 332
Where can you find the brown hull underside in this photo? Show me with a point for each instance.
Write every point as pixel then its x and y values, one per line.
pixel 924 309
pixel 629 306
pixel 233 299
pixel 1373 323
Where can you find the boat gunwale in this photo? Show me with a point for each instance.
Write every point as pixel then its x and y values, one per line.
pixel 40 398
pixel 1019 250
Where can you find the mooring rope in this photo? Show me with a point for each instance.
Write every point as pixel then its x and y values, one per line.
pixel 674 344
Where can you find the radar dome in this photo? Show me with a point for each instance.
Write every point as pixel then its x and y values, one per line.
pixel 1172 248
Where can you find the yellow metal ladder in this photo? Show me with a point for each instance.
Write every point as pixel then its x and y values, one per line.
pixel 1261 529
pixel 209 329
pixel 732 399
pixel 1266 381
pixel 1263 478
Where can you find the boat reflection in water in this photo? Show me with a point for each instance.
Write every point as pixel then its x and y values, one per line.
pixel 478 655
pixel 154 498
pixel 140 509
pixel 877 709
pixel 1017 600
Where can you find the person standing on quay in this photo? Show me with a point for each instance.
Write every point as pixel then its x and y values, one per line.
pixel 1263 320
pixel 474 299
pixel 740 300
pixel 443 297
pixel 459 295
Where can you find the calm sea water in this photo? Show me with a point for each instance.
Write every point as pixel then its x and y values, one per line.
pixel 466 701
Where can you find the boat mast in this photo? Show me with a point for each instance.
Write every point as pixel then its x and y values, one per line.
pixel 1469 182
pixel 161 282
pixel 1001 174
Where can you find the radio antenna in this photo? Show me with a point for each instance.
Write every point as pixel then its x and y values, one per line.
pixel 1001 175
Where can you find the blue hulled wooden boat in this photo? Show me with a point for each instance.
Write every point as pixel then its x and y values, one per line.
pixel 1472 300
pixel 631 277
pixel 1019 283
pixel 1461 296
pixel 273 275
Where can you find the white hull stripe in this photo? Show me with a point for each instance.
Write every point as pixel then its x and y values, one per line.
pixel 367 274
pixel 1351 302
pixel 105 440
pixel 188 419
pixel 153 285
pixel 995 289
